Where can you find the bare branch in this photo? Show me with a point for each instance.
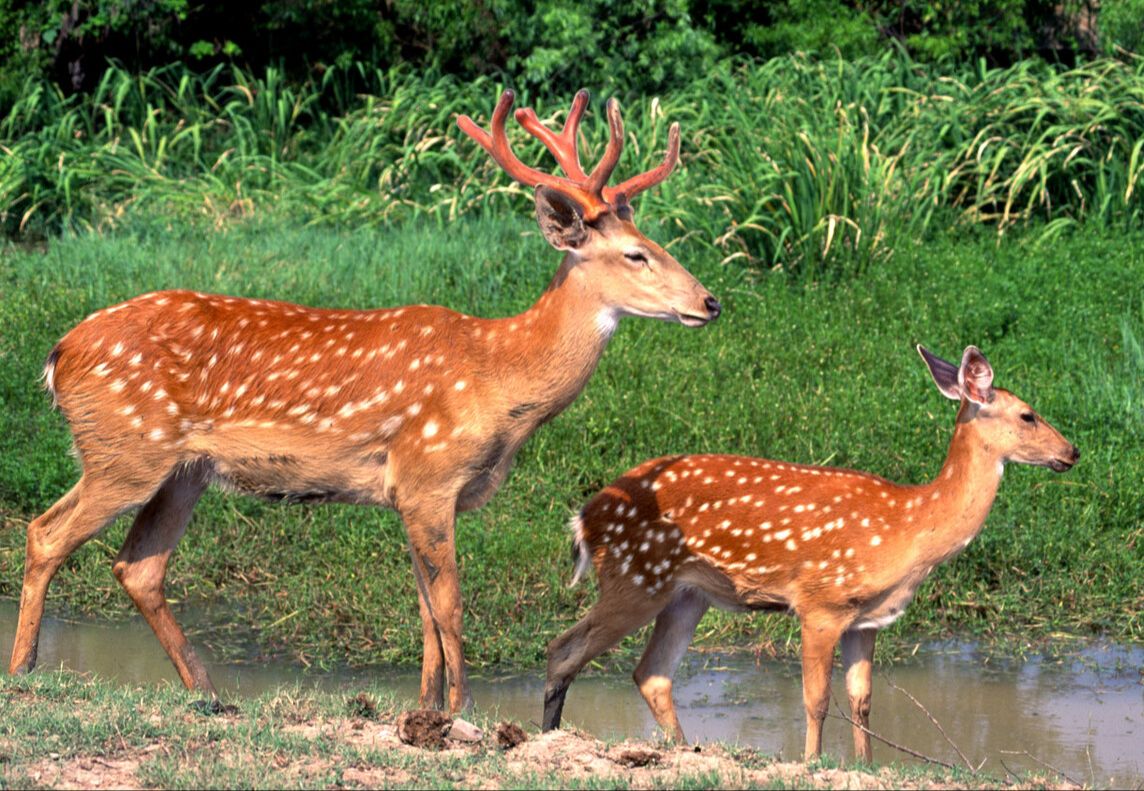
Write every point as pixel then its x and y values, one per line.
pixel 936 724
pixel 884 740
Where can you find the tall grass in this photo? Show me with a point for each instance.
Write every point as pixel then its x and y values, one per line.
pixel 821 168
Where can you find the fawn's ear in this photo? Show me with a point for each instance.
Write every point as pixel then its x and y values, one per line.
pixel 561 219
pixel 976 376
pixel 945 374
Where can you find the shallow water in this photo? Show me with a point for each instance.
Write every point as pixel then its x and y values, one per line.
pixel 1083 715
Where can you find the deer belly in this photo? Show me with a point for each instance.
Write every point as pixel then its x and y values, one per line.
pixel 291 466
pixel 888 609
pixel 292 479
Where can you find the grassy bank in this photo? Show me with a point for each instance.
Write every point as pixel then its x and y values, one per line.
pixel 60 730
pixel 823 374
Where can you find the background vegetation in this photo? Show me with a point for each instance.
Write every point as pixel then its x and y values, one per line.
pixel 942 189
pixel 555 45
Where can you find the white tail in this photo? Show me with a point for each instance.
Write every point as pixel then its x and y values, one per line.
pixel 417 408
pixel 844 551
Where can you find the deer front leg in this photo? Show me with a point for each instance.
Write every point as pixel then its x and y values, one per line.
pixel 431 546
pixel 857 664
pixel 432 655
pixel 819 637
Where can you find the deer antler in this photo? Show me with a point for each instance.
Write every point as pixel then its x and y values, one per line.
pixel 590 191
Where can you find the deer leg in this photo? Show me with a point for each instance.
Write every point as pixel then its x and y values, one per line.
pixel 72 520
pixel 435 570
pixel 609 620
pixel 818 642
pixel 432 654
pixel 142 564
pixel 857 664
pixel 674 628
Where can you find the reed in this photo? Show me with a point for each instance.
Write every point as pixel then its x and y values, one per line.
pixel 819 168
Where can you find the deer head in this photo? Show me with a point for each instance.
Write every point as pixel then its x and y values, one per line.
pixel 1011 430
pixel 623 270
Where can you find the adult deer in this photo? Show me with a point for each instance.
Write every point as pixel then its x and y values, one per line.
pixel 844 551
pixel 418 408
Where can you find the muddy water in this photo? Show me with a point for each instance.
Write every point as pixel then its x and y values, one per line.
pixel 1083 715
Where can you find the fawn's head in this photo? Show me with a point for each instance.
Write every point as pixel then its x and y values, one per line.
pixel 1007 426
pixel 592 222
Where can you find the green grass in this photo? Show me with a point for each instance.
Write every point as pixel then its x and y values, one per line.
pixel 815 373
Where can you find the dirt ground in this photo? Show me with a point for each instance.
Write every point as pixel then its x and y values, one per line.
pixel 497 758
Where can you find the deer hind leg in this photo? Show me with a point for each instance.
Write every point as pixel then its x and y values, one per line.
pixel 432 549
pixel 615 615
pixel 674 628
pixel 857 664
pixel 142 564
pixel 818 641
pixel 52 537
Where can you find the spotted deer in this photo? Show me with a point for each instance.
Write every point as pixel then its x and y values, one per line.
pixel 419 409
pixel 842 550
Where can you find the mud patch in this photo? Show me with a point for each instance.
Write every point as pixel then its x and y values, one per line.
pixel 509 735
pixel 424 728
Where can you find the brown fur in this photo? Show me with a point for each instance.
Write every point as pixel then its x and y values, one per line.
pixel 420 409
pixel 842 550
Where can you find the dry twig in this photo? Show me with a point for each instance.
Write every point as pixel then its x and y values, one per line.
pixel 937 725
pixel 884 740
pixel 1045 764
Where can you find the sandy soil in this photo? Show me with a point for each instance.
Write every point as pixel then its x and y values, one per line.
pixel 564 757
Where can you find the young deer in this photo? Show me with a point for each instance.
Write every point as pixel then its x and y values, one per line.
pixel 844 551
pixel 417 408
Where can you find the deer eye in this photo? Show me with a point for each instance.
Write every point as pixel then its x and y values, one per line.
pixel 1029 418
pixel 635 256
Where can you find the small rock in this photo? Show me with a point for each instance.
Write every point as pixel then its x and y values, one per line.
pixel 424 728
pixel 509 735
pixel 462 731
pixel 637 758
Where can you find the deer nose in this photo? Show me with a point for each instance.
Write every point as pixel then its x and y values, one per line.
pixel 713 308
pixel 1075 454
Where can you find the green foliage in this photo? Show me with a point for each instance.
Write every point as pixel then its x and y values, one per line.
pixel 961 30
pixel 1122 26
pixel 836 163
pixel 616 44
pixel 552 46
pixel 822 26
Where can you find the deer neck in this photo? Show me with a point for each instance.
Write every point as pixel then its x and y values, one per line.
pixel 558 343
pixel 956 503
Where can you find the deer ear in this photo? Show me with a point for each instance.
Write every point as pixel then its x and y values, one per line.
pixel 944 374
pixel 561 219
pixel 976 376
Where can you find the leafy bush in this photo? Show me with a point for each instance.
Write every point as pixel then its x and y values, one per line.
pixel 552 46
pixel 1122 26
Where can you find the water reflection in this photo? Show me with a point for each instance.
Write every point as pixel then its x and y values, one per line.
pixel 1083 715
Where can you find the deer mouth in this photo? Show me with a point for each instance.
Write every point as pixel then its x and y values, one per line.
pixel 1060 465
pixel 691 320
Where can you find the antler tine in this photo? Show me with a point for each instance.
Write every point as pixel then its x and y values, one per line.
pixel 497 145
pixel 603 170
pixel 563 146
pixel 643 181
